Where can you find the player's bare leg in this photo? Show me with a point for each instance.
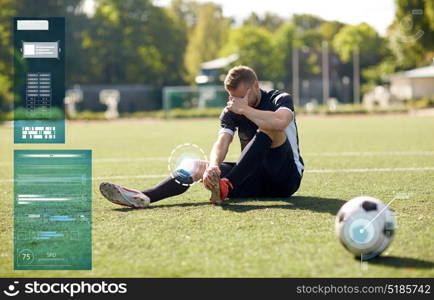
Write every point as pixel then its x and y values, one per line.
pixel 215 191
pixel 175 184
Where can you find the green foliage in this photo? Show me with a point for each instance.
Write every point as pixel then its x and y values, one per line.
pixel 306 21
pixel 6 116
pixel 7 11
pixel 211 112
pixel 411 33
pixel 409 42
pixel 306 33
pixel 186 11
pixel 269 21
pixel 362 37
pixel 425 102
pixel 310 63
pixel 255 47
pixel 284 41
pixel 176 113
pixel 76 21
pixel 329 29
pixel 377 74
pixel 206 38
pixel 134 42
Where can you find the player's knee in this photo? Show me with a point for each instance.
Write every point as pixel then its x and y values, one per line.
pixel 272 134
pixel 277 137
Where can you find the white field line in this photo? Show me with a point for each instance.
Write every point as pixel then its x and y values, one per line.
pixel 304 154
pixel 368 170
pixel 321 171
pixel 370 153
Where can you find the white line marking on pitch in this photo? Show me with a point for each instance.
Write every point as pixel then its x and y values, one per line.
pixel 332 154
pixel 307 171
pixel 379 153
pixel 369 153
pixel 369 170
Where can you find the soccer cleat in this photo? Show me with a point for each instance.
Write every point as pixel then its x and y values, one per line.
pixel 123 196
pixel 220 190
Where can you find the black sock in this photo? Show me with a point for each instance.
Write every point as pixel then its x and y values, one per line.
pixel 251 158
pixel 167 188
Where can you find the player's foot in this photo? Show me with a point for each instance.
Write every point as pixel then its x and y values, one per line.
pixel 123 196
pixel 220 190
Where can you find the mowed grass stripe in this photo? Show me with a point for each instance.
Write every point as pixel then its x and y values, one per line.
pixel 306 171
pixel 333 154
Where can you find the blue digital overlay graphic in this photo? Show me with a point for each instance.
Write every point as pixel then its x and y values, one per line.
pixel 53 209
pixel 39 80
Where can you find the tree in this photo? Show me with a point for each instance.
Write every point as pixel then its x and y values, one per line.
pixel 255 48
pixel 186 11
pixel 207 37
pixel 306 21
pixel 372 50
pixel 363 37
pixel 269 21
pixel 411 33
pixel 76 21
pixel 134 42
pixel 7 12
pixel 308 36
pixel 329 29
pixel 285 39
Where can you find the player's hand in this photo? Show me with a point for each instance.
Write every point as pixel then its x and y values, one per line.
pixel 239 105
pixel 207 175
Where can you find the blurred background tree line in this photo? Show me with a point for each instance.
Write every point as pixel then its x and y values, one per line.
pixel 135 41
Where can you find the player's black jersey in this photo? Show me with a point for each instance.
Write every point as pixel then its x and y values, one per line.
pixel 270 101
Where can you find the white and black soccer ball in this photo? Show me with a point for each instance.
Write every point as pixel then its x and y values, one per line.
pixel 365 226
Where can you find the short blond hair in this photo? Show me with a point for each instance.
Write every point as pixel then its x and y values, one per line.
pixel 238 75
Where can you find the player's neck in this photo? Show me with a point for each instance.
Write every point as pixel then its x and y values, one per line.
pixel 258 100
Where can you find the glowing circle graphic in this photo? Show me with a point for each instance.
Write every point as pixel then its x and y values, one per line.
pixel 184 161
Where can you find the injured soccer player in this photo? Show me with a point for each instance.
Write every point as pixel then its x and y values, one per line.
pixel 270 164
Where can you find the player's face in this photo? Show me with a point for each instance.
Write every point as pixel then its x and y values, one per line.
pixel 241 92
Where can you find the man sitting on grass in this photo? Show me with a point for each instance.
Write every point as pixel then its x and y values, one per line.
pixel 270 164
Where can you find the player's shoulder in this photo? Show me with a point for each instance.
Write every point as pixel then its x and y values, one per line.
pixel 279 98
pixel 227 114
pixel 275 95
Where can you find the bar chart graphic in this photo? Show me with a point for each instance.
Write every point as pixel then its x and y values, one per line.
pixel 52 209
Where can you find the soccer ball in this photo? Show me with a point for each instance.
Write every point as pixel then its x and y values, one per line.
pixel 365 227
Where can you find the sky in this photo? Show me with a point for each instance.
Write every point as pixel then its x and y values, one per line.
pixel 378 13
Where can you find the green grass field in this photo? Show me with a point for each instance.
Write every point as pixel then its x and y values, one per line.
pixel 184 236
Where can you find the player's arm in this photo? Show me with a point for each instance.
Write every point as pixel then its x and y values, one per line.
pixel 268 120
pixel 220 149
pixel 218 154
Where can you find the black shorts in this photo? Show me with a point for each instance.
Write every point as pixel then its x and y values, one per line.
pixel 277 176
